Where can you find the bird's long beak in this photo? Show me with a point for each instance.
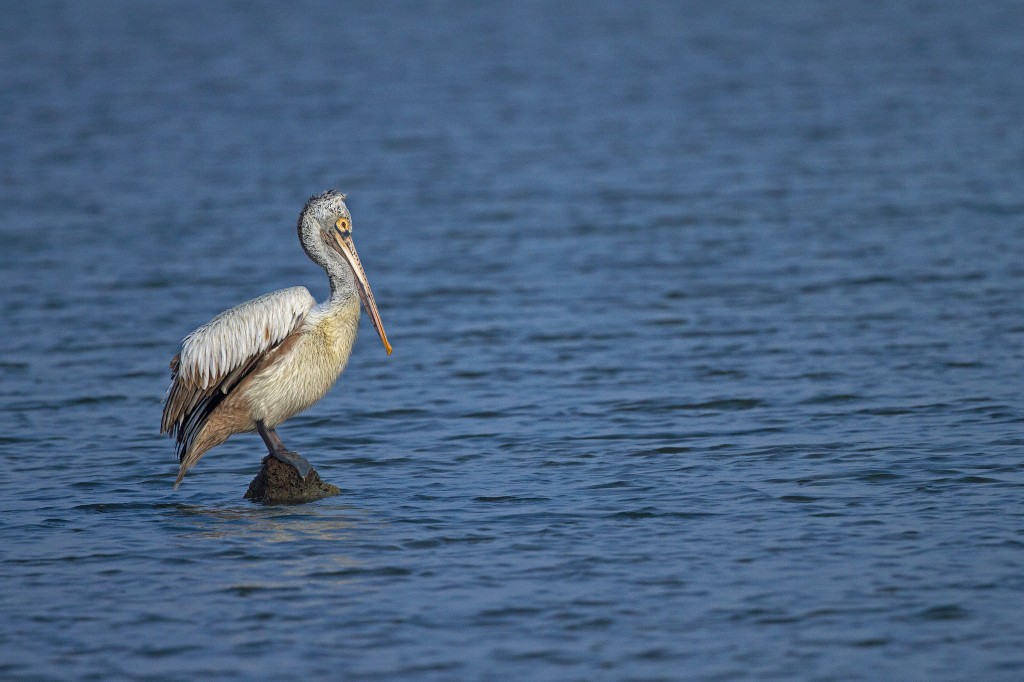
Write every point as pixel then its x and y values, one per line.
pixel 347 249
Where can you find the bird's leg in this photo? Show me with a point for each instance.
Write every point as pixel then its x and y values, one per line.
pixel 279 452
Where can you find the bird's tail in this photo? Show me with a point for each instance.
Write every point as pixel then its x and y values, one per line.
pixel 196 450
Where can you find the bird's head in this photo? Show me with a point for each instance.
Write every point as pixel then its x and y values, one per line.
pixel 325 231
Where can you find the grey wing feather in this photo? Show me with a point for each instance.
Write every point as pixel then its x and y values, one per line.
pixel 217 356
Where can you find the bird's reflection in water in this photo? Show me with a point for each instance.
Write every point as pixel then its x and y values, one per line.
pixel 285 523
pixel 308 542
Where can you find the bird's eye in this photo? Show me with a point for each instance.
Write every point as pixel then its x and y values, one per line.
pixel 342 225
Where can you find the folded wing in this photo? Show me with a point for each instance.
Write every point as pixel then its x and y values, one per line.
pixel 217 356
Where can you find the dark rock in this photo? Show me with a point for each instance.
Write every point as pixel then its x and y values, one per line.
pixel 279 483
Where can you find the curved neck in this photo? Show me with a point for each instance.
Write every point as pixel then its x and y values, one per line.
pixel 343 280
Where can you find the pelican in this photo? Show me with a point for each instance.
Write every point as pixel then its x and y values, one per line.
pixel 260 363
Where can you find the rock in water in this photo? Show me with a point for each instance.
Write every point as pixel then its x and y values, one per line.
pixel 279 483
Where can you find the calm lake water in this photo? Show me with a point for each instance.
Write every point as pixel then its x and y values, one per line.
pixel 708 323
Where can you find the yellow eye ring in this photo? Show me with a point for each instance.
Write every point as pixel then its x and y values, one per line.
pixel 341 223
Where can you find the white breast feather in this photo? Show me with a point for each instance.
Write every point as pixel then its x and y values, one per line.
pixel 225 342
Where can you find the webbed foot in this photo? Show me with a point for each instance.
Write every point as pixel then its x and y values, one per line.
pixel 297 461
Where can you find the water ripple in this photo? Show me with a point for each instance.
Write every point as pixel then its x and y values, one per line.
pixel 707 337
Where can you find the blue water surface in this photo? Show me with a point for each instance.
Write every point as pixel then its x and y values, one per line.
pixel 708 333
